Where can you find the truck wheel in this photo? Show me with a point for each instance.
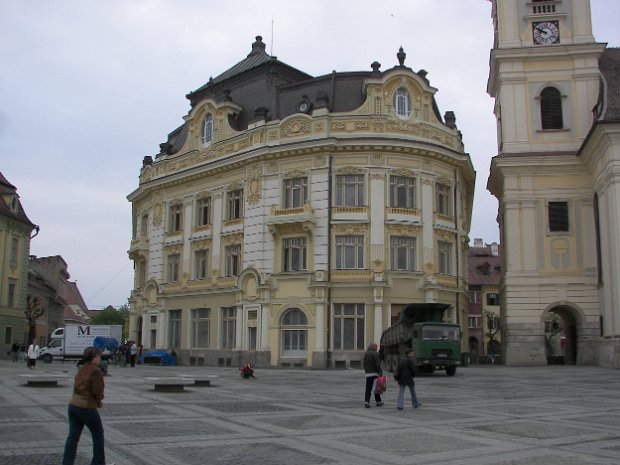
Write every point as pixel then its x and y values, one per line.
pixel 451 370
pixel 47 358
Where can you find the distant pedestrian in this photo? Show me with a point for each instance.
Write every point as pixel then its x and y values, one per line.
pixel 404 375
pixel 87 397
pixel 372 367
pixel 134 352
pixel 33 354
pixel 15 351
pixel 247 371
pixel 23 352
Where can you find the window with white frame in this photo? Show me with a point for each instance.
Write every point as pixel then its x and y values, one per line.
pixel 144 226
pixel 294 254
pixel 14 252
pixel 201 328
pixel 11 296
pixel 402 192
pixel 203 211
pixel 295 192
pixel 294 329
pixel 207 129
pixel 174 328
pixel 252 329
pixel 444 257
pixel 402 103
pixel 442 199
pixel 349 252
pixel 173 267
pixel 348 326
pixel 403 253
pixel 233 260
pixel 473 322
pixel 175 217
pixel 558 216
pixel 229 319
pixel 200 264
pixel 349 190
pixel 492 298
pixel 235 204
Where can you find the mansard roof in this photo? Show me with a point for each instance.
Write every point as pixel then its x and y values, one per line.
pixel 9 190
pixel 268 89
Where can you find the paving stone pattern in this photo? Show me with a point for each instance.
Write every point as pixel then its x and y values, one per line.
pixel 498 415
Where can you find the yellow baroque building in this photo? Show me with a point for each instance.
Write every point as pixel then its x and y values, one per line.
pixel 291 217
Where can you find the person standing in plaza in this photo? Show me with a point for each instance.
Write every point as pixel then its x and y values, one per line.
pixel 15 351
pixel 134 353
pixel 87 397
pixel 404 376
pixel 372 367
pixel 33 354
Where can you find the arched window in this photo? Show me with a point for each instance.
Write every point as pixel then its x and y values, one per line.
pixel 294 333
pixel 402 104
pixel 207 129
pixel 551 108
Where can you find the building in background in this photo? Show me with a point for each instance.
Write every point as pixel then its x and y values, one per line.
pixel 557 179
pixel 484 327
pixel 291 217
pixel 15 234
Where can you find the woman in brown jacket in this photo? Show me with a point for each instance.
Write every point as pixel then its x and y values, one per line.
pixel 87 397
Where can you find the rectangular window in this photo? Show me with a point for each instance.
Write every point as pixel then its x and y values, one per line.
pixel 402 192
pixel 174 328
pixel 203 208
pixel 200 264
pixel 493 323
pixel 252 329
pixel 349 191
pixel 348 326
pixel 175 220
pixel 235 204
pixel 402 253
pixel 492 298
pixel 144 226
pixel 349 252
pixel 442 199
pixel 233 260
pixel 201 328
pixel 295 192
pixel 444 257
pixel 473 322
pixel 474 294
pixel 14 252
pixel 558 216
pixel 173 267
pixel 8 335
pixel 11 296
pixel 294 254
pixel 228 327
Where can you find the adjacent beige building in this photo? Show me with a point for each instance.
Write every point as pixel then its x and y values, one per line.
pixel 557 179
pixel 290 216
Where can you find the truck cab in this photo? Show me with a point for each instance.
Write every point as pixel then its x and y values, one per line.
pixel 437 346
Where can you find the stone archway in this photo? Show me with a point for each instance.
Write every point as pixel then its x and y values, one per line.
pixel 561 335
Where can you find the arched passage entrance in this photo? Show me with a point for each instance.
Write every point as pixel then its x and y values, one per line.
pixel 561 335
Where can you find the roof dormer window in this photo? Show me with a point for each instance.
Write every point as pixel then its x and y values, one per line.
pixel 207 129
pixel 402 103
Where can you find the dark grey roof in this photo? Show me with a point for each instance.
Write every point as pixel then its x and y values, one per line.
pixel 5 210
pixel 610 95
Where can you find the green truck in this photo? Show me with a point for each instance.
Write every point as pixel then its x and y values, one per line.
pixel 437 345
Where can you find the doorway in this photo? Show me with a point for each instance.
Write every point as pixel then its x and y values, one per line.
pixel 561 336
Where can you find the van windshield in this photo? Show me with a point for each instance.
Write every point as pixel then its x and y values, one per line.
pixel 440 333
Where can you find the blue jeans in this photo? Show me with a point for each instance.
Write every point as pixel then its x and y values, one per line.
pixel 78 418
pixel 400 400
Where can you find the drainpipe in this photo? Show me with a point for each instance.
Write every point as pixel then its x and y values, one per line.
pixel 457 249
pixel 329 262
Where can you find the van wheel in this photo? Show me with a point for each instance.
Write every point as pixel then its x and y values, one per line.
pixel 451 370
pixel 47 358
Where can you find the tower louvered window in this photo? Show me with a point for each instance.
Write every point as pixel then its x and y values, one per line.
pixel 551 108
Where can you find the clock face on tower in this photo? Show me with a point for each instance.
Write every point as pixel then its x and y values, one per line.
pixel 546 33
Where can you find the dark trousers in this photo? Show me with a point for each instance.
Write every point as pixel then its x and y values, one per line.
pixel 78 418
pixel 370 381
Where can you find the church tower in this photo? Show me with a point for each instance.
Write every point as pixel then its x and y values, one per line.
pixel 545 79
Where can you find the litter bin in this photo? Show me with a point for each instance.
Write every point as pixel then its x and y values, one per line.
pixel 465 359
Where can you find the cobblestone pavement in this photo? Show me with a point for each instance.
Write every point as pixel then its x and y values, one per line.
pixel 484 415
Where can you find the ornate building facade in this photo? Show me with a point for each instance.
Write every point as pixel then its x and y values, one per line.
pixel 557 179
pixel 15 232
pixel 290 217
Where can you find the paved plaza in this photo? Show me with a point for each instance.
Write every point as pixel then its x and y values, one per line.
pixel 484 415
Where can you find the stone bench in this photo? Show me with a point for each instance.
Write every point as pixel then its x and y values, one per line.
pixel 170 384
pixel 201 380
pixel 42 379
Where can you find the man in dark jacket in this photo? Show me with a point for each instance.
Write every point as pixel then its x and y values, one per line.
pixel 404 375
pixel 372 367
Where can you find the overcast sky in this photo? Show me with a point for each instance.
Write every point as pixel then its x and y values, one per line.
pixel 89 87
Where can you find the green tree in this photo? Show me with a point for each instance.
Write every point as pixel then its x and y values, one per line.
pixel 113 316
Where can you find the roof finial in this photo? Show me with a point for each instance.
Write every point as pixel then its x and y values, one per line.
pixel 258 46
pixel 401 55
